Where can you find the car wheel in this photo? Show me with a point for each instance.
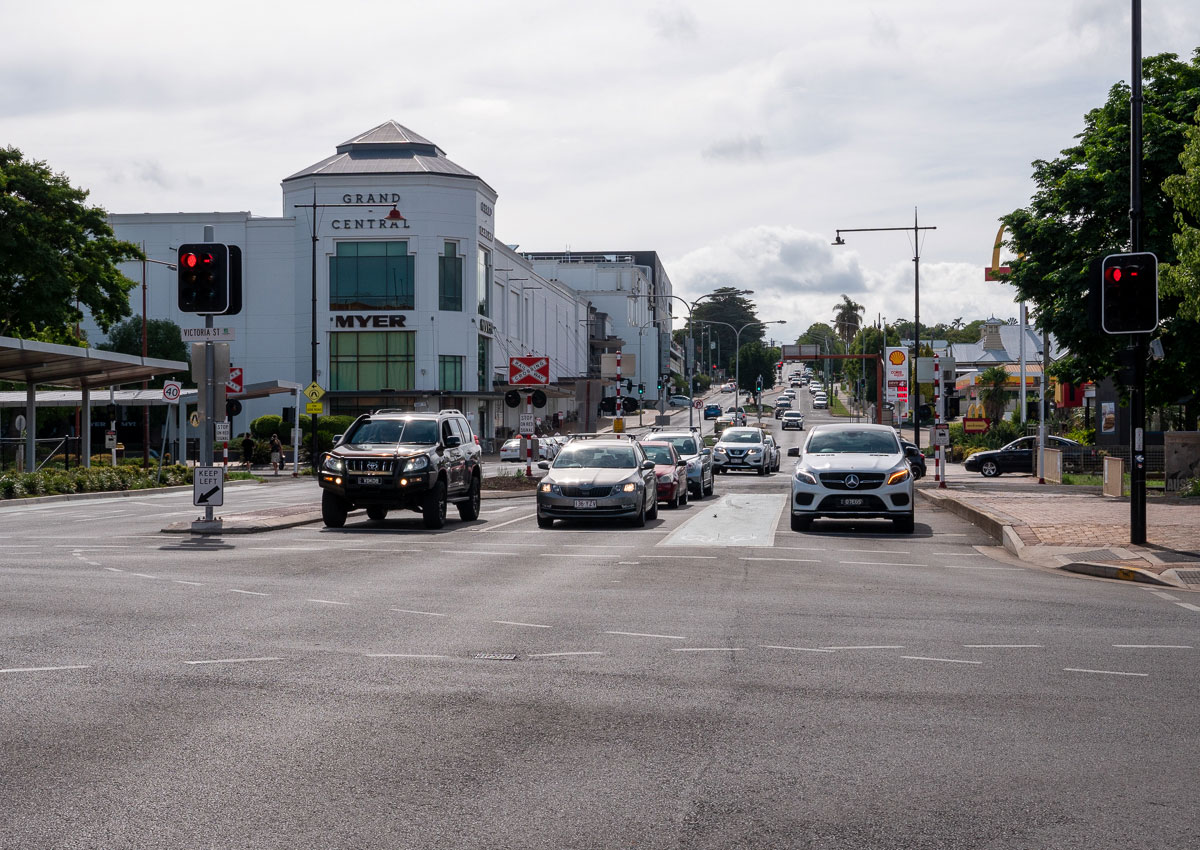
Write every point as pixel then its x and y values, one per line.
pixel 764 469
pixel 653 512
pixel 545 522
pixel 333 510
pixel 801 523
pixel 683 495
pixel 469 510
pixel 639 521
pixel 904 524
pixel 989 469
pixel 433 506
pixel 377 512
pixel 711 486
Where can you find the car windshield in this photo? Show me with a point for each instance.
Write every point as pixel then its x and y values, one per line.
pixel 596 457
pixel 659 454
pixel 683 445
pixel 395 431
pixel 854 442
pixel 733 436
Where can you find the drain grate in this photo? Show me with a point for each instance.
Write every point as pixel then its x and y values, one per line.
pixel 1178 557
pixel 1097 555
pixel 1189 576
pixel 493 656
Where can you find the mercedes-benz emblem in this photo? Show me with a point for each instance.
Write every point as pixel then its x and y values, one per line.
pixel 852 481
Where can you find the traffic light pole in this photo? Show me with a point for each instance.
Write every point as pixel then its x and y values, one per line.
pixel 1137 401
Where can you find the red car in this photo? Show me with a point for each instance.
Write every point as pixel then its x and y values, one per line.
pixel 670 471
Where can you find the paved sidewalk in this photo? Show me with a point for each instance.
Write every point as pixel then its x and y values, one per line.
pixel 1077 529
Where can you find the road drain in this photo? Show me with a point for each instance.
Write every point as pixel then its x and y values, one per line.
pixel 493 656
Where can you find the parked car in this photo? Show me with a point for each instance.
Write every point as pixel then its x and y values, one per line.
pixel 670 470
pixel 792 419
pixel 511 450
pixel 679 401
pixel 916 459
pixel 698 457
pixel 852 471
pixel 744 448
pixel 712 411
pixel 1021 456
pixel 598 478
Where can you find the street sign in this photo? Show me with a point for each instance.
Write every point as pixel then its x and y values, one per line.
pixel 896 363
pixel 110 439
pixel 222 431
pixel 314 391
pixel 314 407
pixel 208 486
pixel 207 334
pixel 234 384
pixel 527 424
pixel 530 369
pixel 941 435
pixel 171 390
pixel 976 425
pixel 194 419
pixel 699 405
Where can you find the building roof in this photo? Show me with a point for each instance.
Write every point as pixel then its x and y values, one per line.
pixel 390 148
pixel 1001 343
pixel 47 363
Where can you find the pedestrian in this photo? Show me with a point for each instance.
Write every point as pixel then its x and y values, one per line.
pixel 248 451
pixel 276 454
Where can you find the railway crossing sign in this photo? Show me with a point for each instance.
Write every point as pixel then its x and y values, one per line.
pixel 530 369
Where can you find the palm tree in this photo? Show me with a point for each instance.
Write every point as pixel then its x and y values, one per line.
pixel 846 317
pixel 991 392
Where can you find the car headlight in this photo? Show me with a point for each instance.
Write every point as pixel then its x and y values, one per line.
pixel 718 450
pixel 545 488
pixel 666 479
pixel 630 487
pixel 693 464
pixel 334 464
pixel 755 451
pixel 415 464
pixel 806 477
pixel 898 476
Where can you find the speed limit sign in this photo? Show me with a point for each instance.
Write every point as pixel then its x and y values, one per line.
pixel 171 391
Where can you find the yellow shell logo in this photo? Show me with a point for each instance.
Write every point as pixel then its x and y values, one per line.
pixel 897 358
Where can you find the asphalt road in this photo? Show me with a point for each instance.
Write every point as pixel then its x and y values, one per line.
pixel 496 685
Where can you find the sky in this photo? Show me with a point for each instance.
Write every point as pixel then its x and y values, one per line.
pixel 733 139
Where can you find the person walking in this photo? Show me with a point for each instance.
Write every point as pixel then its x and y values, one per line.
pixel 248 451
pixel 276 454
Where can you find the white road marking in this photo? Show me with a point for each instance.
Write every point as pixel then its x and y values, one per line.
pixel 44 669
pixel 194 583
pixel 1148 646
pixel 788 560
pixel 79 548
pixel 475 552
pixel 292 548
pixel 947 660
pixel 327 602
pixel 559 654
pixel 1161 595
pixel 114 570
pixel 628 563
pixel 423 613
pixel 590 545
pixel 984 569
pixel 831 648
pixel 143 575
pixel 801 548
pixel 233 660
pixel 687 557
pixel 248 592
pixel 528 625
pixel 792 648
pixel 643 634
pixel 1003 645
pixel 402 655
pixel 708 649
pixel 380 551
pixel 568 554
pixel 1102 672
pixel 1188 606
pixel 881 564
pixel 490 527
pixel 877 551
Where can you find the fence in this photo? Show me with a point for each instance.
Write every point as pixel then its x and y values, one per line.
pixel 64 451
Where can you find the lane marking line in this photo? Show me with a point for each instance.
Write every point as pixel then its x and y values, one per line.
pixel 833 648
pixel 423 613
pixel 476 552
pixel 643 634
pixel 490 527
pixel 1148 646
pixel 559 654
pixel 1188 605
pixel 402 655
pixel 114 570
pixel 44 669
pixel 527 625
pixel 233 660
pixel 708 649
pixel 792 648
pixel 143 575
pixel 327 602
pixel 876 551
pixel 1161 595
pixel 984 569
pixel 881 564
pixel 1102 672
pixel 628 563
pixel 689 557
pixel 193 583
pixel 946 660
pixel 248 592
pixel 1003 645
pixel 787 560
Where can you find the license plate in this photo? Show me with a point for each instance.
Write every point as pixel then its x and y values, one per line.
pixel 852 503
pixel 370 482
pixel 581 504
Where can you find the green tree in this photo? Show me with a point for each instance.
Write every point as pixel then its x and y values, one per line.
pixel 847 316
pixel 757 359
pixel 1079 213
pixel 727 306
pixel 163 341
pixel 992 392
pixel 1182 280
pixel 57 255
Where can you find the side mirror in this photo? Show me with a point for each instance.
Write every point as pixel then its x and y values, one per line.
pixel 543 464
pixel 705 452
pixel 647 464
pixel 794 451
pixel 452 442
pixel 337 439
pixel 681 462
pixel 912 451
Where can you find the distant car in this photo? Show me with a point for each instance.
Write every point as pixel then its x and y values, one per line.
pixel 781 406
pixel 670 471
pixel 796 383
pixel 679 401
pixel 792 419
pixel 712 411
pixel 511 450
pixel 745 448
pixel 820 402
pixel 1021 456
pixel 916 459
pixel 738 414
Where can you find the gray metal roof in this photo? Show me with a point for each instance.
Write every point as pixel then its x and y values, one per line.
pixel 1010 337
pixel 46 363
pixel 390 148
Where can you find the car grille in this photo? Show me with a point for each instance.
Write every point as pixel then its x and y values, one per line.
pixel 736 452
pixel 866 480
pixel 587 492
pixel 371 465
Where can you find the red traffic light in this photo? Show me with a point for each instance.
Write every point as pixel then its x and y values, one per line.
pixel 189 260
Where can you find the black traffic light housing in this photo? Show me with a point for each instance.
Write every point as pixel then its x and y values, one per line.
pixel 641 389
pixel 210 278
pixel 1128 293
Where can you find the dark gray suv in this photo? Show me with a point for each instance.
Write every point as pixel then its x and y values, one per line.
pixel 398 460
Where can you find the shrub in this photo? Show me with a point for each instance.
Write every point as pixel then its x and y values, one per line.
pixel 264 426
pixel 97 479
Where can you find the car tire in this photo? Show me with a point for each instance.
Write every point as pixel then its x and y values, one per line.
pixel 433 506
pixel 469 510
pixel 712 483
pixel 683 496
pixel 653 512
pixel 904 524
pixel 377 512
pixel 764 469
pixel 545 522
pixel 639 521
pixel 801 523
pixel 333 510
pixel 989 469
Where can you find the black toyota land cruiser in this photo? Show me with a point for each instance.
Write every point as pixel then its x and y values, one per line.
pixel 400 460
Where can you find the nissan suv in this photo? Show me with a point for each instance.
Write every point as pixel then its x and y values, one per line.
pixel 398 460
pixel 745 448
pixel 699 458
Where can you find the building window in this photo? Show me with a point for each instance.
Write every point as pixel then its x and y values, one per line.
pixel 450 372
pixel 483 370
pixel 371 276
pixel 450 279
pixel 371 361
pixel 483 281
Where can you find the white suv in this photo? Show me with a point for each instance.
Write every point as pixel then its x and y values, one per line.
pixel 745 448
pixel 852 471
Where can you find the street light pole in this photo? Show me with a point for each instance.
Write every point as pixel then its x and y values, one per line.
pixel 916 236
pixel 737 351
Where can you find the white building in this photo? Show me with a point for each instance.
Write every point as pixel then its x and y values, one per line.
pixel 421 308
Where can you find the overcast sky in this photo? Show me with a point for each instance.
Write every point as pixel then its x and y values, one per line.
pixel 732 138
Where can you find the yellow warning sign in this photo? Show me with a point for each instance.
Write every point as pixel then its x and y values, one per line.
pixel 314 391
pixel 314 407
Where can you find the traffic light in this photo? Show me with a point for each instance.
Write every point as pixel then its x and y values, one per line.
pixel 204 278
pixel 232 408
pixel 660 384
pixel 1128 293
pixel 758 385
pixel 641 389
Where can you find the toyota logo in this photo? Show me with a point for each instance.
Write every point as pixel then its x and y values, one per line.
pixel 852 481
pixel 373 464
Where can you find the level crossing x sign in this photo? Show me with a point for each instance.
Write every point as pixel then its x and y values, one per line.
pixel 530 369
pixel 234 384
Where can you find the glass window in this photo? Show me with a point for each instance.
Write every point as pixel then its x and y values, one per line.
pixel 483 281
pixel 450 279
pixel 372 361
pixel 374 275
pixel 450 369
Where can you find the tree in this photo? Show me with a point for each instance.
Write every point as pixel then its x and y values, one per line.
pixel 1079 213
pixel 1182 280
pixel 57 255
pixel 163 341
pixel 846 318
pixel 757 359
pixel 992 383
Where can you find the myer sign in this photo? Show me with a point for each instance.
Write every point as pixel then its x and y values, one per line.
pixel 381 321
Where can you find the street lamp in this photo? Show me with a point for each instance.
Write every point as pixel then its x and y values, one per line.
pixel 393 215
pixel 916 237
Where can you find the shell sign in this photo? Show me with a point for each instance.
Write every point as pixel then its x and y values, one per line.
pixel 896 357
pixel 897 364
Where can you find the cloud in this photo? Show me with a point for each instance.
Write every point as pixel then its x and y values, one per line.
pixel 674 22
pixel 738 149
